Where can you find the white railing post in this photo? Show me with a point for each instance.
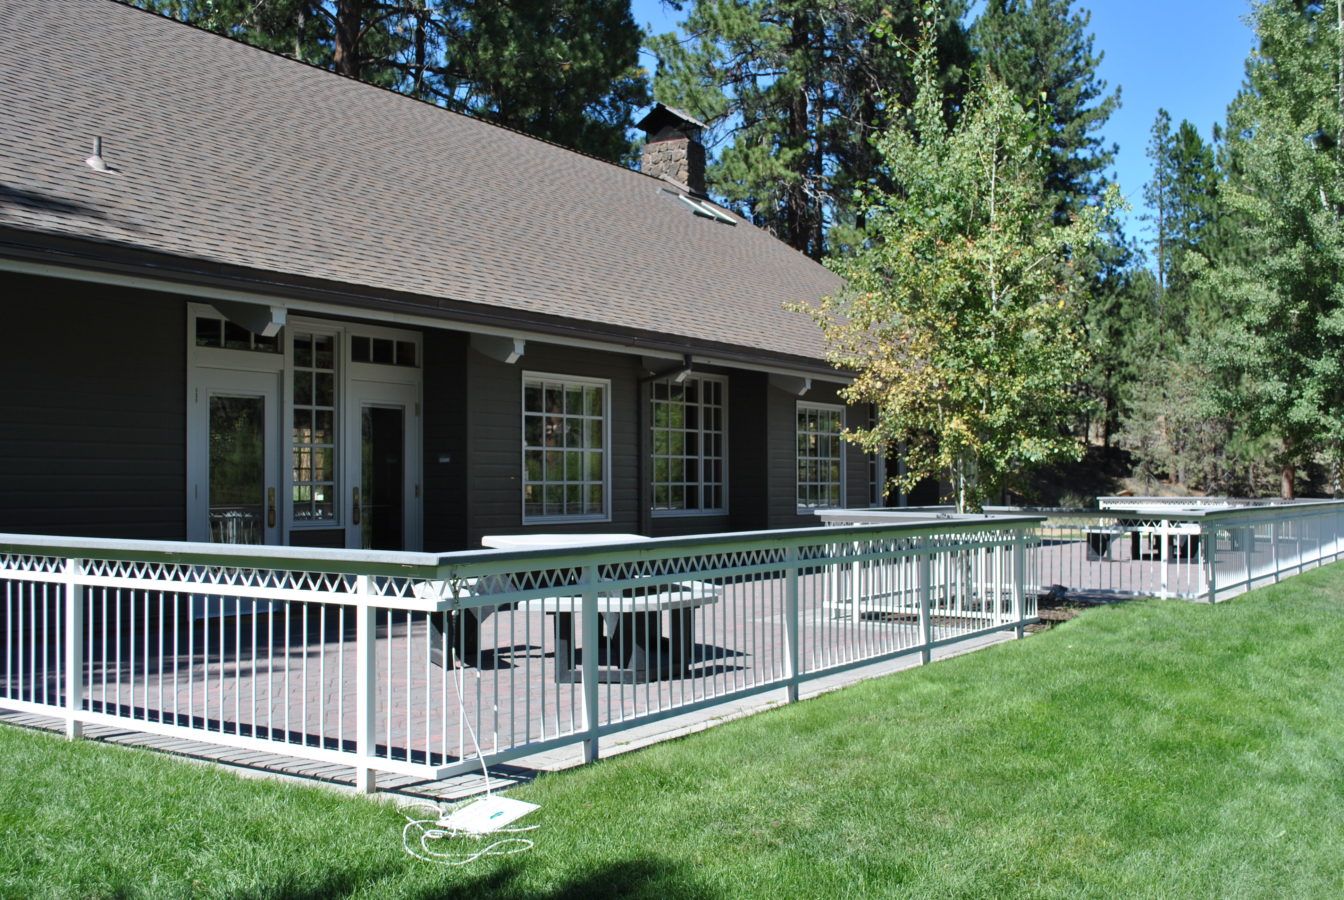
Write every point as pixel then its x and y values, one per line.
pixel 1250 556
pixel 366 687
pixel 74 646
pixel 590 642
pixel 1019 586
pixel 791 639
pixel 1274 546
pixel 925 587
pixel 1208 551
pixel 1163 550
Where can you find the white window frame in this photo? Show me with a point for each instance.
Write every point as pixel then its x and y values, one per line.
pixel 805 509
pixel 566 381
pixel 722 458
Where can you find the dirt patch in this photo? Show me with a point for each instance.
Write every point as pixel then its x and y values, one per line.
pixel 1054 607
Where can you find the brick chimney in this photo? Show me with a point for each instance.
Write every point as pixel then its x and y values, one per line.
pixel 673 149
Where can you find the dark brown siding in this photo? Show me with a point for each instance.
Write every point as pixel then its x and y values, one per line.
pixel 93 410
pixel 445 433
pixel 495 426
pixel 748 444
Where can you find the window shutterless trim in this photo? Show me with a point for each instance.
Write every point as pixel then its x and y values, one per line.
pixel 839 410
pixel 719 459
pixel 565 382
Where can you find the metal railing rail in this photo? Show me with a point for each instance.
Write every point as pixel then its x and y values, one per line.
pixel 414 663
pixel 1142 546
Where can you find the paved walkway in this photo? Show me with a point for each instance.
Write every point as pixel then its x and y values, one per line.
pixel 273 765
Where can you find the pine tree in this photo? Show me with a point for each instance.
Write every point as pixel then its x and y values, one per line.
pixel 1287 144
pixel 793 91
pixel 1041 50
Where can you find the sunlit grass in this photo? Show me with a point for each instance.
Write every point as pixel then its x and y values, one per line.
pixel 1154 749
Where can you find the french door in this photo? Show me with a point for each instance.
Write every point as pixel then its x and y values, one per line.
pixel 308 438
pixel 383 427
pixel 234 475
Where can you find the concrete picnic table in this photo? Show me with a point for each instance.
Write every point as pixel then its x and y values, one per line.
pixel 633 646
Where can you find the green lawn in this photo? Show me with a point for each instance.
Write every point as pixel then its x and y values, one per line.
pixel 1153 749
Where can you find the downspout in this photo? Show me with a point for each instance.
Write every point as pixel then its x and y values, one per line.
pixel 642 440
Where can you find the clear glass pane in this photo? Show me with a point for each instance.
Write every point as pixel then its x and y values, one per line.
pixel 303 388
pixel 324 356
pixel 303 350
pixel 325 389
pixel 207 332
pixel 236 337
pixel 237 469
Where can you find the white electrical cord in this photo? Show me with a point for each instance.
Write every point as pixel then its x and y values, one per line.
pixel 434 829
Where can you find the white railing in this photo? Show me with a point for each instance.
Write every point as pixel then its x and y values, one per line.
pixel 1137 548
pixel 1186 502
pixel 414 663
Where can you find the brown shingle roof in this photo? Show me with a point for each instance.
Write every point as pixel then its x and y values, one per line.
pixel 232 156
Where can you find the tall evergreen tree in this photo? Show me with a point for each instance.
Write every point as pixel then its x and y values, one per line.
pixel 1287 140
pixel 562 70
pixel 793 91
pixel 1041 50
pixel 1183 195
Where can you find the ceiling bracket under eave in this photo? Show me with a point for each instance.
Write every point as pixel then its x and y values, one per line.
pixel 507 350
pixel 258 318
pixel 793 384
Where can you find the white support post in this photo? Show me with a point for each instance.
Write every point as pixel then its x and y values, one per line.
pixel 1208 551
pixel 1274 546
pixel 74 646
pixel 366 687
pixel 1164 539
pixel 792 644
pixel 590 642
pixel 1250 556
pixel 925 587
pixel 1019 587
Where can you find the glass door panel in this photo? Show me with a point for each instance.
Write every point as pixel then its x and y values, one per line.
pixel 233 458
pixel 382 511
pixel 383 469
pixel 236 499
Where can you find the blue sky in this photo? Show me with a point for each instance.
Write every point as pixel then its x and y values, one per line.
pixel 1185 56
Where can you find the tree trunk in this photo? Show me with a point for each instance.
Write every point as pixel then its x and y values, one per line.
pixel 345 57
pixel 1286 479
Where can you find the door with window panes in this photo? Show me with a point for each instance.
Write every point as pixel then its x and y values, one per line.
pixel 309 438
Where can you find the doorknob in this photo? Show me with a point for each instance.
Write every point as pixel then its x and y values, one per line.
pixel 270 507
pixel 356 515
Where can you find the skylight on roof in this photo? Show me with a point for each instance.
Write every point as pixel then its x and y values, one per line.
pixel 702 208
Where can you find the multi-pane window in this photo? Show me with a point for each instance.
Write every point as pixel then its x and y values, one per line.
pixel 820 452
pixel 877 469
pixel 564 447
pixel 382 351
pixel 213 332
pixel 314 435
pixel 688 444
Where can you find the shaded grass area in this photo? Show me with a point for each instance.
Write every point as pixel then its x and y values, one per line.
pixel 1149 749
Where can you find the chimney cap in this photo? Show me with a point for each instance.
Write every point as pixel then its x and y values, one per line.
pixel 663 116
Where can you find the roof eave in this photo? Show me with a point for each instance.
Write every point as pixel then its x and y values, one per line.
pixel 89 260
